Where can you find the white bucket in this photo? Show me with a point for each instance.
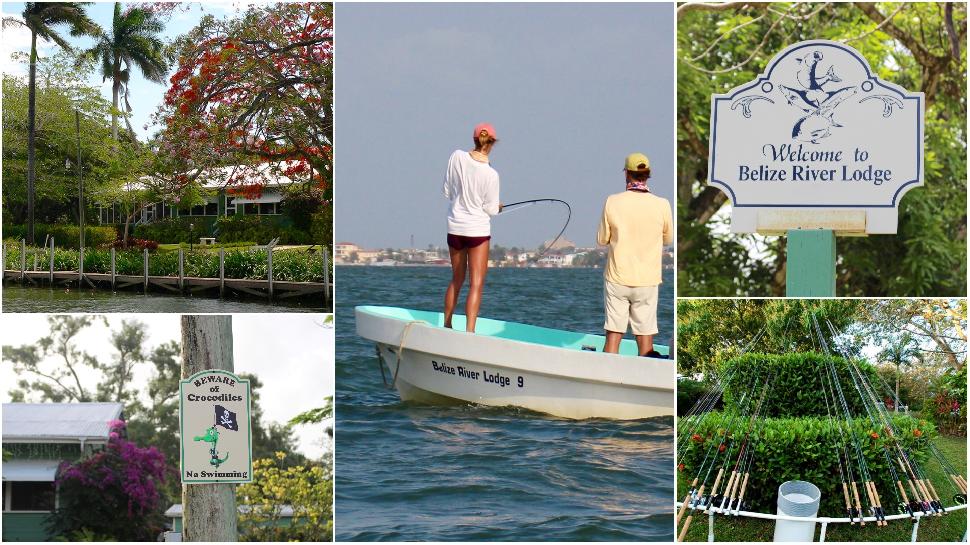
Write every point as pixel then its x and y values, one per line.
pixel 797 499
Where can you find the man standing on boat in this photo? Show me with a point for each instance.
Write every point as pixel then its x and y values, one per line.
pixel 636 225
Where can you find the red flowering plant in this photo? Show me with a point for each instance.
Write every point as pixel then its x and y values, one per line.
pixel 251 102
pixel 114 492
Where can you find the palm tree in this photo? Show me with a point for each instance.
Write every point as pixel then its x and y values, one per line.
pixel 901 351
pixel 133 40
pixel 41 18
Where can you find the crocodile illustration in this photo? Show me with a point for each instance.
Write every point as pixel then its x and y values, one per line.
pixel 212 436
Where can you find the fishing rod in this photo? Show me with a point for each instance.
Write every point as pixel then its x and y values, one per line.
pixel 860 458
pixel 927 494
pixel 530 202
pixel 956 480
pixel 699 499
pixel 706 403
pixel 734 484
pixel 694 492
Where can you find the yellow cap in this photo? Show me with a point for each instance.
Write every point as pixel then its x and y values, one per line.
pixel 637 162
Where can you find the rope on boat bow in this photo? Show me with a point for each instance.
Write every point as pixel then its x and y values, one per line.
pixel 400 350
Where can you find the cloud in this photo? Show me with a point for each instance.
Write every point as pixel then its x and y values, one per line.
pixel 16 38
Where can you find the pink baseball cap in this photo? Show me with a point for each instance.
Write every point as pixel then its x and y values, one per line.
pixel 487 127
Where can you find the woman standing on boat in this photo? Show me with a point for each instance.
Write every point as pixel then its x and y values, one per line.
pixel 471 187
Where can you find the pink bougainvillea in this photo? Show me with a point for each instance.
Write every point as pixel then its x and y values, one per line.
pixel 122 474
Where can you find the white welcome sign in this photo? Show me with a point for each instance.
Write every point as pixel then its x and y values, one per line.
pixel 816 141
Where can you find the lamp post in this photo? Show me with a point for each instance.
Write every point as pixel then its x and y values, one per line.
pixel 191 235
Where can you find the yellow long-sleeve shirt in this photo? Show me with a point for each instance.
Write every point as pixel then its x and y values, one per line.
pixel 636 226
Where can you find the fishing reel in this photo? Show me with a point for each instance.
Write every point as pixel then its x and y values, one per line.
pixel 907 508
pixel 878 513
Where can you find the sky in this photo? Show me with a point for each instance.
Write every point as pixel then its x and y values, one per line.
pixel 571 90
pixel 292 354
pixel 145 96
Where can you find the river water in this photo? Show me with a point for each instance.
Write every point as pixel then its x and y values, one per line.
pixel 468 473
pixel 18 298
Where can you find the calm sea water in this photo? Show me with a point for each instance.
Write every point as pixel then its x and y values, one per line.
pixel 18 298
pixel 411 472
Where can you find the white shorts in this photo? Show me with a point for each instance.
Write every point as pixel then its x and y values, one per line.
pixel 636 306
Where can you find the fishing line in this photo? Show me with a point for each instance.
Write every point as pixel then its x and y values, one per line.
pixel 530 202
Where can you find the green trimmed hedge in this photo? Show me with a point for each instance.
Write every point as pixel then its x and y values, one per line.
pixel 797 387
pixel 288 265
pixel 805 449
pixel 65 236
pixel 175 230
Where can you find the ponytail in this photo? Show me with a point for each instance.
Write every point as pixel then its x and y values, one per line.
pixel 484 141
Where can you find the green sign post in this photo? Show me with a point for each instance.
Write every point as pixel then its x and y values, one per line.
pixel 810 270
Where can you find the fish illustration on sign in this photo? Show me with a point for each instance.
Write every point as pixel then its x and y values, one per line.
pixel 814 100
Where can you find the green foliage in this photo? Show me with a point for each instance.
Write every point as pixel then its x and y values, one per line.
pixel 65 236
pixel 711 331
pixel 308 489
pixel 85 535
pixel 798 382
pixel 718 49
pixel 288 265
pixel 175 230
pixel 947 403
pixel 689 391
pixel 805 449
pixel 61 88
pixel 263 229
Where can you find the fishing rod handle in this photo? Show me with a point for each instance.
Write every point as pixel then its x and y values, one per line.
pixel 683 509
pixel 683 531
pixel 720 473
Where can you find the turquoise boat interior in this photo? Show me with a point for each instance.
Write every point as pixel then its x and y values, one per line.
pixel 511 330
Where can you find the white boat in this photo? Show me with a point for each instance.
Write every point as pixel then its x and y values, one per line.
pixel 561 373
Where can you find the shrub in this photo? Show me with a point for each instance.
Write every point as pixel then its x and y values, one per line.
pixel 175 230
pixel 288 265
pixel 132 242
pixel 308 489
pixel 113 493
pixel 797 383
pixel 689 391
pixel 65 236
pixel 805 449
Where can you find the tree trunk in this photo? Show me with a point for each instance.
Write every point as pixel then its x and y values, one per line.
pixel 209 510
pixel 896 402
pixel 114 101
pixel 31 129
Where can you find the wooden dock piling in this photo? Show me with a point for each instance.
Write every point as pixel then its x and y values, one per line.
pixel 50 277
pixel 326 274
pixel 222 272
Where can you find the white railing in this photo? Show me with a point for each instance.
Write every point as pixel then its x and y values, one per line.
pixel 824 521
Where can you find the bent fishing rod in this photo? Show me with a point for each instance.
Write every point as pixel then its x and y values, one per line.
pixel 530 202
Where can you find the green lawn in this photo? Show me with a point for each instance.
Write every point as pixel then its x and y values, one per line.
pixel 949 527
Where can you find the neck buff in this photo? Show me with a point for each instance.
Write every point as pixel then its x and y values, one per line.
pixel 635 185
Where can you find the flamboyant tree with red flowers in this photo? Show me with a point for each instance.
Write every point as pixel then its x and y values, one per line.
pixel 252 100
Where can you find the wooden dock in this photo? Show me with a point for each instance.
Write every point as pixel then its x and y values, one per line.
pixel 268 288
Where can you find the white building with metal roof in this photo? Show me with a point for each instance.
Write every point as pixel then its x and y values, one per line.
pixel 38 437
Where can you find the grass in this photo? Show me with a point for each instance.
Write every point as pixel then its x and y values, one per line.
pixel 949 527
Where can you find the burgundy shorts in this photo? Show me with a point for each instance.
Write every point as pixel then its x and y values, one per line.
pixel 461 242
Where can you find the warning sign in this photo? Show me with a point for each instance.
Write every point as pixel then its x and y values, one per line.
pixel 214 424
